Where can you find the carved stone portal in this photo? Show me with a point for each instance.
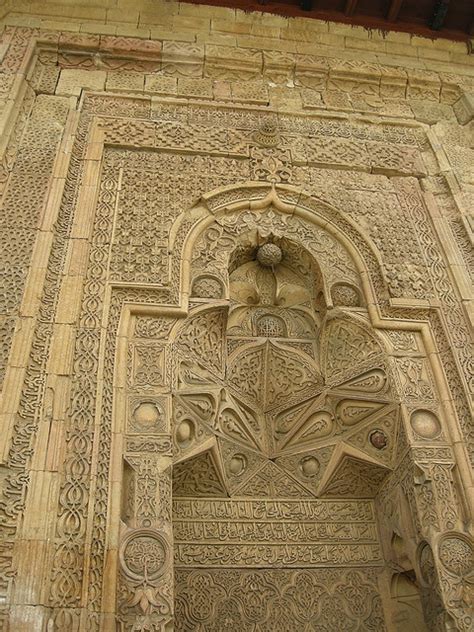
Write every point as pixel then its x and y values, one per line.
pixel 266 455
pixel 235 339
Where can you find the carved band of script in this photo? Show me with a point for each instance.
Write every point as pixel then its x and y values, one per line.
pixel 273 531
pixel 305 510
pixel 275 556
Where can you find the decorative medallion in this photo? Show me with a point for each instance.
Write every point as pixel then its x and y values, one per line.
pixel 144 554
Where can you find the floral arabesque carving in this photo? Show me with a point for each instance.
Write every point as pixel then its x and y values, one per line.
pixel 117 107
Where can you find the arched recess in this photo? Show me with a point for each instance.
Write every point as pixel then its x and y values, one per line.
pixel 348 260
pixel 281 418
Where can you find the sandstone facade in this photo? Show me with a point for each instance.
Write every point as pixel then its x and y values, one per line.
pixel 235 322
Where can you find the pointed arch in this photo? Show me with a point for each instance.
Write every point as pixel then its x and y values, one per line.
pixel 287 205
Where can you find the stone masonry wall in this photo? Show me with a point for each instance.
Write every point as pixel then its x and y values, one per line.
pixel 142 142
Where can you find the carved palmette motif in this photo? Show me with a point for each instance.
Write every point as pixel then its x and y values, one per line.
pixel 281 599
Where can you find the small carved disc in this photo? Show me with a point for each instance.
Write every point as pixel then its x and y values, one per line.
pixel 456 555
pixel 146 414
pixel 425 424
pixel 309 466
pixel 144 554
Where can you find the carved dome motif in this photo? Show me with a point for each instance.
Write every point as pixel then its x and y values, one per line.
pixel 296 399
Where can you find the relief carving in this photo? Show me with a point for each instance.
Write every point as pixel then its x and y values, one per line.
pixel 266 404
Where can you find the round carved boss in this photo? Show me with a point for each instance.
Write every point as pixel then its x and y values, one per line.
pixel 267 135
pixel 456 554
pixel 144 554
pixel 269 255
pixel 425 424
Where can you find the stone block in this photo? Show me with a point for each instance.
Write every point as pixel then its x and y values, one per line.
pixel 431 112
pixel 464 108
pixel 278 66
pixel 194 24
pixel 131 30
pixel 222 90
pixel 220 39
pixel 433 53
pixel 366 45
pixel 99 28
pixel 311 99
pixel 250 91
pixel 161 84
pixel 359 77
pixel 57 25
pixel 119 15
pixel 183 58
pixel 393 82
pixel 197 88
pixel 230 26
pixel 29 618
pixel 132 45
pixel 200 11
pixel 79 40
pixel 311 71
pixel 158 17
pixel 423 84
pixel 125 81
pixel 165 34
pixel 232 63
pixel 261 18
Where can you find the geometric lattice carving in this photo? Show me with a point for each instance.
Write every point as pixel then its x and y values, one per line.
pixel 346 345
pixel 307 467
pixel 239 464
pixel 379 439
pixel 287 374
pixel 203 335
pixel 373 381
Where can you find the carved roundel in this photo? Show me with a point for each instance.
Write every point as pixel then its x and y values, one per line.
pixel 309 467
pixel 237 464
pixel 425 424
pixel 144 554
pixel 456 555
pixel 185 432
pixel 146 414
pixel 378 439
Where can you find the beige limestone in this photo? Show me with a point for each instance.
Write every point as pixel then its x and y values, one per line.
pixel 237 257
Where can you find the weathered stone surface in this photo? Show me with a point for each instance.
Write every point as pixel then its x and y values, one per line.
pixel 235 323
